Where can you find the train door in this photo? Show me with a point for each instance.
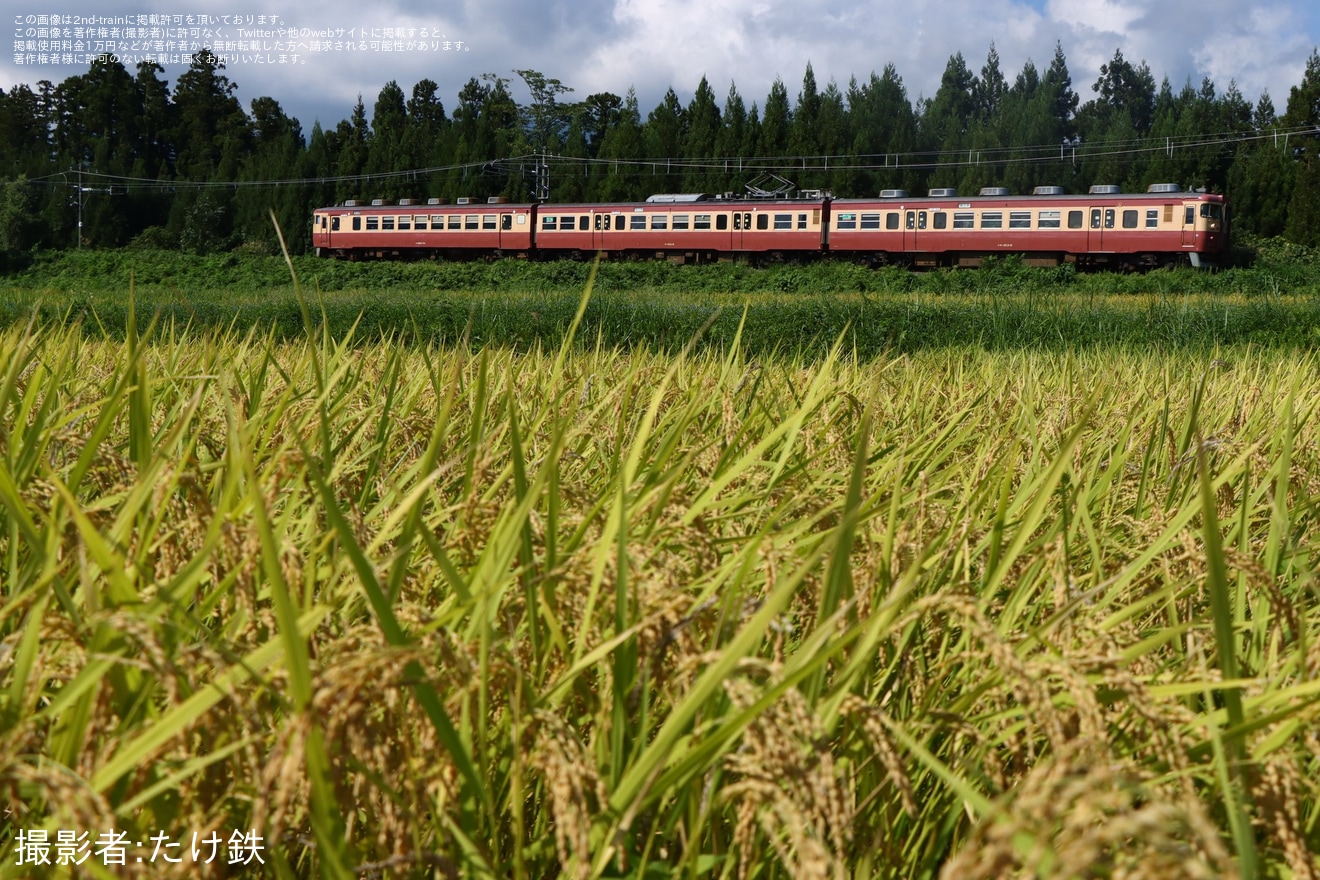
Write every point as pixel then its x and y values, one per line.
pixel 1189 226
pixel 506 230
pixel 602 226
pixel 1101 219
pixel 914 222
pixel 742 223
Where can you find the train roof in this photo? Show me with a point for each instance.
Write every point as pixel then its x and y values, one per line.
pixel 1160 191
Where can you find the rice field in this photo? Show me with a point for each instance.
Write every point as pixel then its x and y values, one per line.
pixel 589 611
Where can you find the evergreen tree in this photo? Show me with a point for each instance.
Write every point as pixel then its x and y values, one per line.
pixel 426 138
pixel 277 151
pixel 832 137
pixel 385 147
pixel 600 114
pixel 1059 95
pixel 24 127
pixel 1304 110
pixel 207 117
pixel 806 114
pixel 703 131
pixel 622 143
pixel 776 123
pixel 666 130
pixel 884 128
pixel 350 153
pixel 210 136
pixel 947 120
pixel 989 89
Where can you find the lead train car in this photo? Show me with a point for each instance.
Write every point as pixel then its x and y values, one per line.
pixel 1103 228
pixel 459 231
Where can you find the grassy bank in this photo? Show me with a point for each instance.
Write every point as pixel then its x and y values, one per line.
pixel 789 309
pixel 596 612
pixel 808 324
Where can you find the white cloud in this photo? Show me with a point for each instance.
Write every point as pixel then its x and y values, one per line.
pixel 609 45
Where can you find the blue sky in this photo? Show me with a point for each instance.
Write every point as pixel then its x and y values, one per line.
pixel 651 45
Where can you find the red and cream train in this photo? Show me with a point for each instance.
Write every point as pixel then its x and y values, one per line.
pixel 1104 228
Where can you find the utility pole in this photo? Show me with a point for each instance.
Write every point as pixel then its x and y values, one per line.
pixel 79 197
pixel 542 178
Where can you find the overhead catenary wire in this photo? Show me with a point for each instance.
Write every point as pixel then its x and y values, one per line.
pixel 928 160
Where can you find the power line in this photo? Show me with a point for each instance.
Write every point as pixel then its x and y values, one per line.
pixel 927 160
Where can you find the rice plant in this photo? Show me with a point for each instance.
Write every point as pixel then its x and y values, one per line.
pixel 595 611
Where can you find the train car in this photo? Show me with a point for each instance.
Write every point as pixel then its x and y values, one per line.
pixel 689 228
pixel 463 230
pixel 1104 228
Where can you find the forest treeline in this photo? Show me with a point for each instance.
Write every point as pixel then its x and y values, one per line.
pixel 188 167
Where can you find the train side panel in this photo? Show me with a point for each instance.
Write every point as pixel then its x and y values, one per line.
pixel 383 231
pixel 1099 229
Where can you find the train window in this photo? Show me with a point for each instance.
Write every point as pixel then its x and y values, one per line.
pixel 701 221
pixel 680 221
pixel 470 221
pixel 921 219
pixel 802 221
pixel 1152 218
pixel 911 220
pixel 419 221
pixel 1050 219
pixel 549 223
pixel 506 221
pixel 1130 219
pixel 737 221
pixel 1109 218
pixel 584 223
pixel 941 220
pixel 870 221
pixel 659 221
pixel 1019 219
pixel 405 222
pixel 1212 212
pixel 783 221
pixel 598 222
pixel 964 220
pixel 1074 219
pixel 762 221
pixel 488 221
pixel 387 223
pixel 334 224
pixel 891 220
pixel 847 221
pixel 1095 218
pixel 721 221
pixel 1191 216
pixel 455 221
pixel 357 224
pixel 373 223
pixel 992 220
pixel 638 221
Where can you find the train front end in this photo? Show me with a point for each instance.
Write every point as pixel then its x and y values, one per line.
pixel 1205 230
